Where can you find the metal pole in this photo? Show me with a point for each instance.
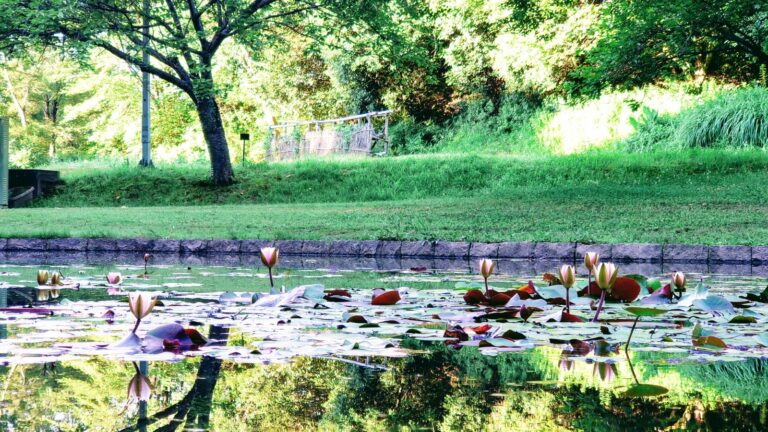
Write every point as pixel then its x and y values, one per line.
pixel 4 162
pixel 146 159
pixel 144 370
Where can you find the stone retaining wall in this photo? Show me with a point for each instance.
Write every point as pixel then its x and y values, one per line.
pixel 622 252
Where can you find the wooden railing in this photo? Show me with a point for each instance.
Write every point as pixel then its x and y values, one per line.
pixel 362 134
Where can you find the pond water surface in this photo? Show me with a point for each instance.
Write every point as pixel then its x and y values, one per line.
pixel 307 362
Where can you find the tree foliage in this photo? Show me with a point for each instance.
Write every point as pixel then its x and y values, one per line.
pixel 641 41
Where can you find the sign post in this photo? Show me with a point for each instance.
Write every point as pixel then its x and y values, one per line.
pixel 244 137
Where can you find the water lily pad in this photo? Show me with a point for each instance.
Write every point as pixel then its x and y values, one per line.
pixel 715 304
pixel 386 299
pixel 645 312
pixel 710 343
pixel 645 390
pixel 552 292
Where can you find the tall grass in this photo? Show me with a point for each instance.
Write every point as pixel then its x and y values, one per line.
pixel 738 119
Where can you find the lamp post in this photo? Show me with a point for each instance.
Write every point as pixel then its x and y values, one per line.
pixel 146 159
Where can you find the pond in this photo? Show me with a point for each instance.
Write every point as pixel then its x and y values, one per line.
pixel 322 358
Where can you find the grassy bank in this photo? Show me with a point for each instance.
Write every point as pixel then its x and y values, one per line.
pixel 688 175
pixel 711 197
pixel 617 217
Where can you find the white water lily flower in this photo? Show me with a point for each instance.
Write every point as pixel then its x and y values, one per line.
pixel 139 388
pixel 141 304
pixel 486 267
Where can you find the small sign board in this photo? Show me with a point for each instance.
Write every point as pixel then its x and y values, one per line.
pixel 245 136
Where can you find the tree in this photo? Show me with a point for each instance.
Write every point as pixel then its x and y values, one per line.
pixel 184 38
pixel 641 41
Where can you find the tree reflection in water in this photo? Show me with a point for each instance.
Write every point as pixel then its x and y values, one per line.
pixel 194 409
pixel 438 388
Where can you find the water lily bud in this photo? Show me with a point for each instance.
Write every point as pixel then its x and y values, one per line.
pixel 566 365
pixel 42 277
pixel 147 257
pixel 141 304
pixel 606 274
pixel 591 260
pixel 139 388
pixel 486 267
pixel 567 275
pixel 269 256
pixel 114 278
pixel 55 278
pixel 678 280
pixel 606 371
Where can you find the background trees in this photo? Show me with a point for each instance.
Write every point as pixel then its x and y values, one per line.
pixel 472 75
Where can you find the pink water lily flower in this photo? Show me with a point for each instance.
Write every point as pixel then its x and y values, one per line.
pixel 269 256
pixel 567 275
pixel 139 388
pixel 114 278
pixel 678 280
pixel 606 274
pixel 591 260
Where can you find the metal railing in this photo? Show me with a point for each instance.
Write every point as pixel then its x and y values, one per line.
pixel 361 134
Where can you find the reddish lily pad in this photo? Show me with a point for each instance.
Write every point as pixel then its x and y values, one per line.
pixel 473 297
pixel 499 300
pixel 570 318
pixel 710 342
pixel 386 299
pixel 625 289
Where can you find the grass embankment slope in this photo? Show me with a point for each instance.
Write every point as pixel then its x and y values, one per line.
pixel 692 196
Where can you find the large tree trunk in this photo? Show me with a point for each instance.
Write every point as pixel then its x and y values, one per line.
pixel 213 130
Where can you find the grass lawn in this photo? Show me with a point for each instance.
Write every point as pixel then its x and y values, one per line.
pixel 710 197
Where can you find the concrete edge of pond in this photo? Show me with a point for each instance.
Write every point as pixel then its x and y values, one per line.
pixel 620 252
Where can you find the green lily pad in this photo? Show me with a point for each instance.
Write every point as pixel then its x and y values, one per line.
pixel 652 284
pixel 741 319
pixel 645 312
pixel 646 390
pixel 461 285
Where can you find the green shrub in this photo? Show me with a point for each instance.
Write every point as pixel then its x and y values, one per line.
pixel 408 136
pixel 737 118
pixel 652 130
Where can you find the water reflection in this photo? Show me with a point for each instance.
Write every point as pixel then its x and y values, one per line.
pixel 441 389
pixel 438 388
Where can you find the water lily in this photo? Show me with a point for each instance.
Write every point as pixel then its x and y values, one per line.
pixel 114 278
pixel 606 371
pixel 269 257
pixel 42 277
pixel 139 388
pixel 605 276
pixel 141 305
pixel 591 260
pixel 567 278
pixel 146 262
pixel 486 269
pixel 678 280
